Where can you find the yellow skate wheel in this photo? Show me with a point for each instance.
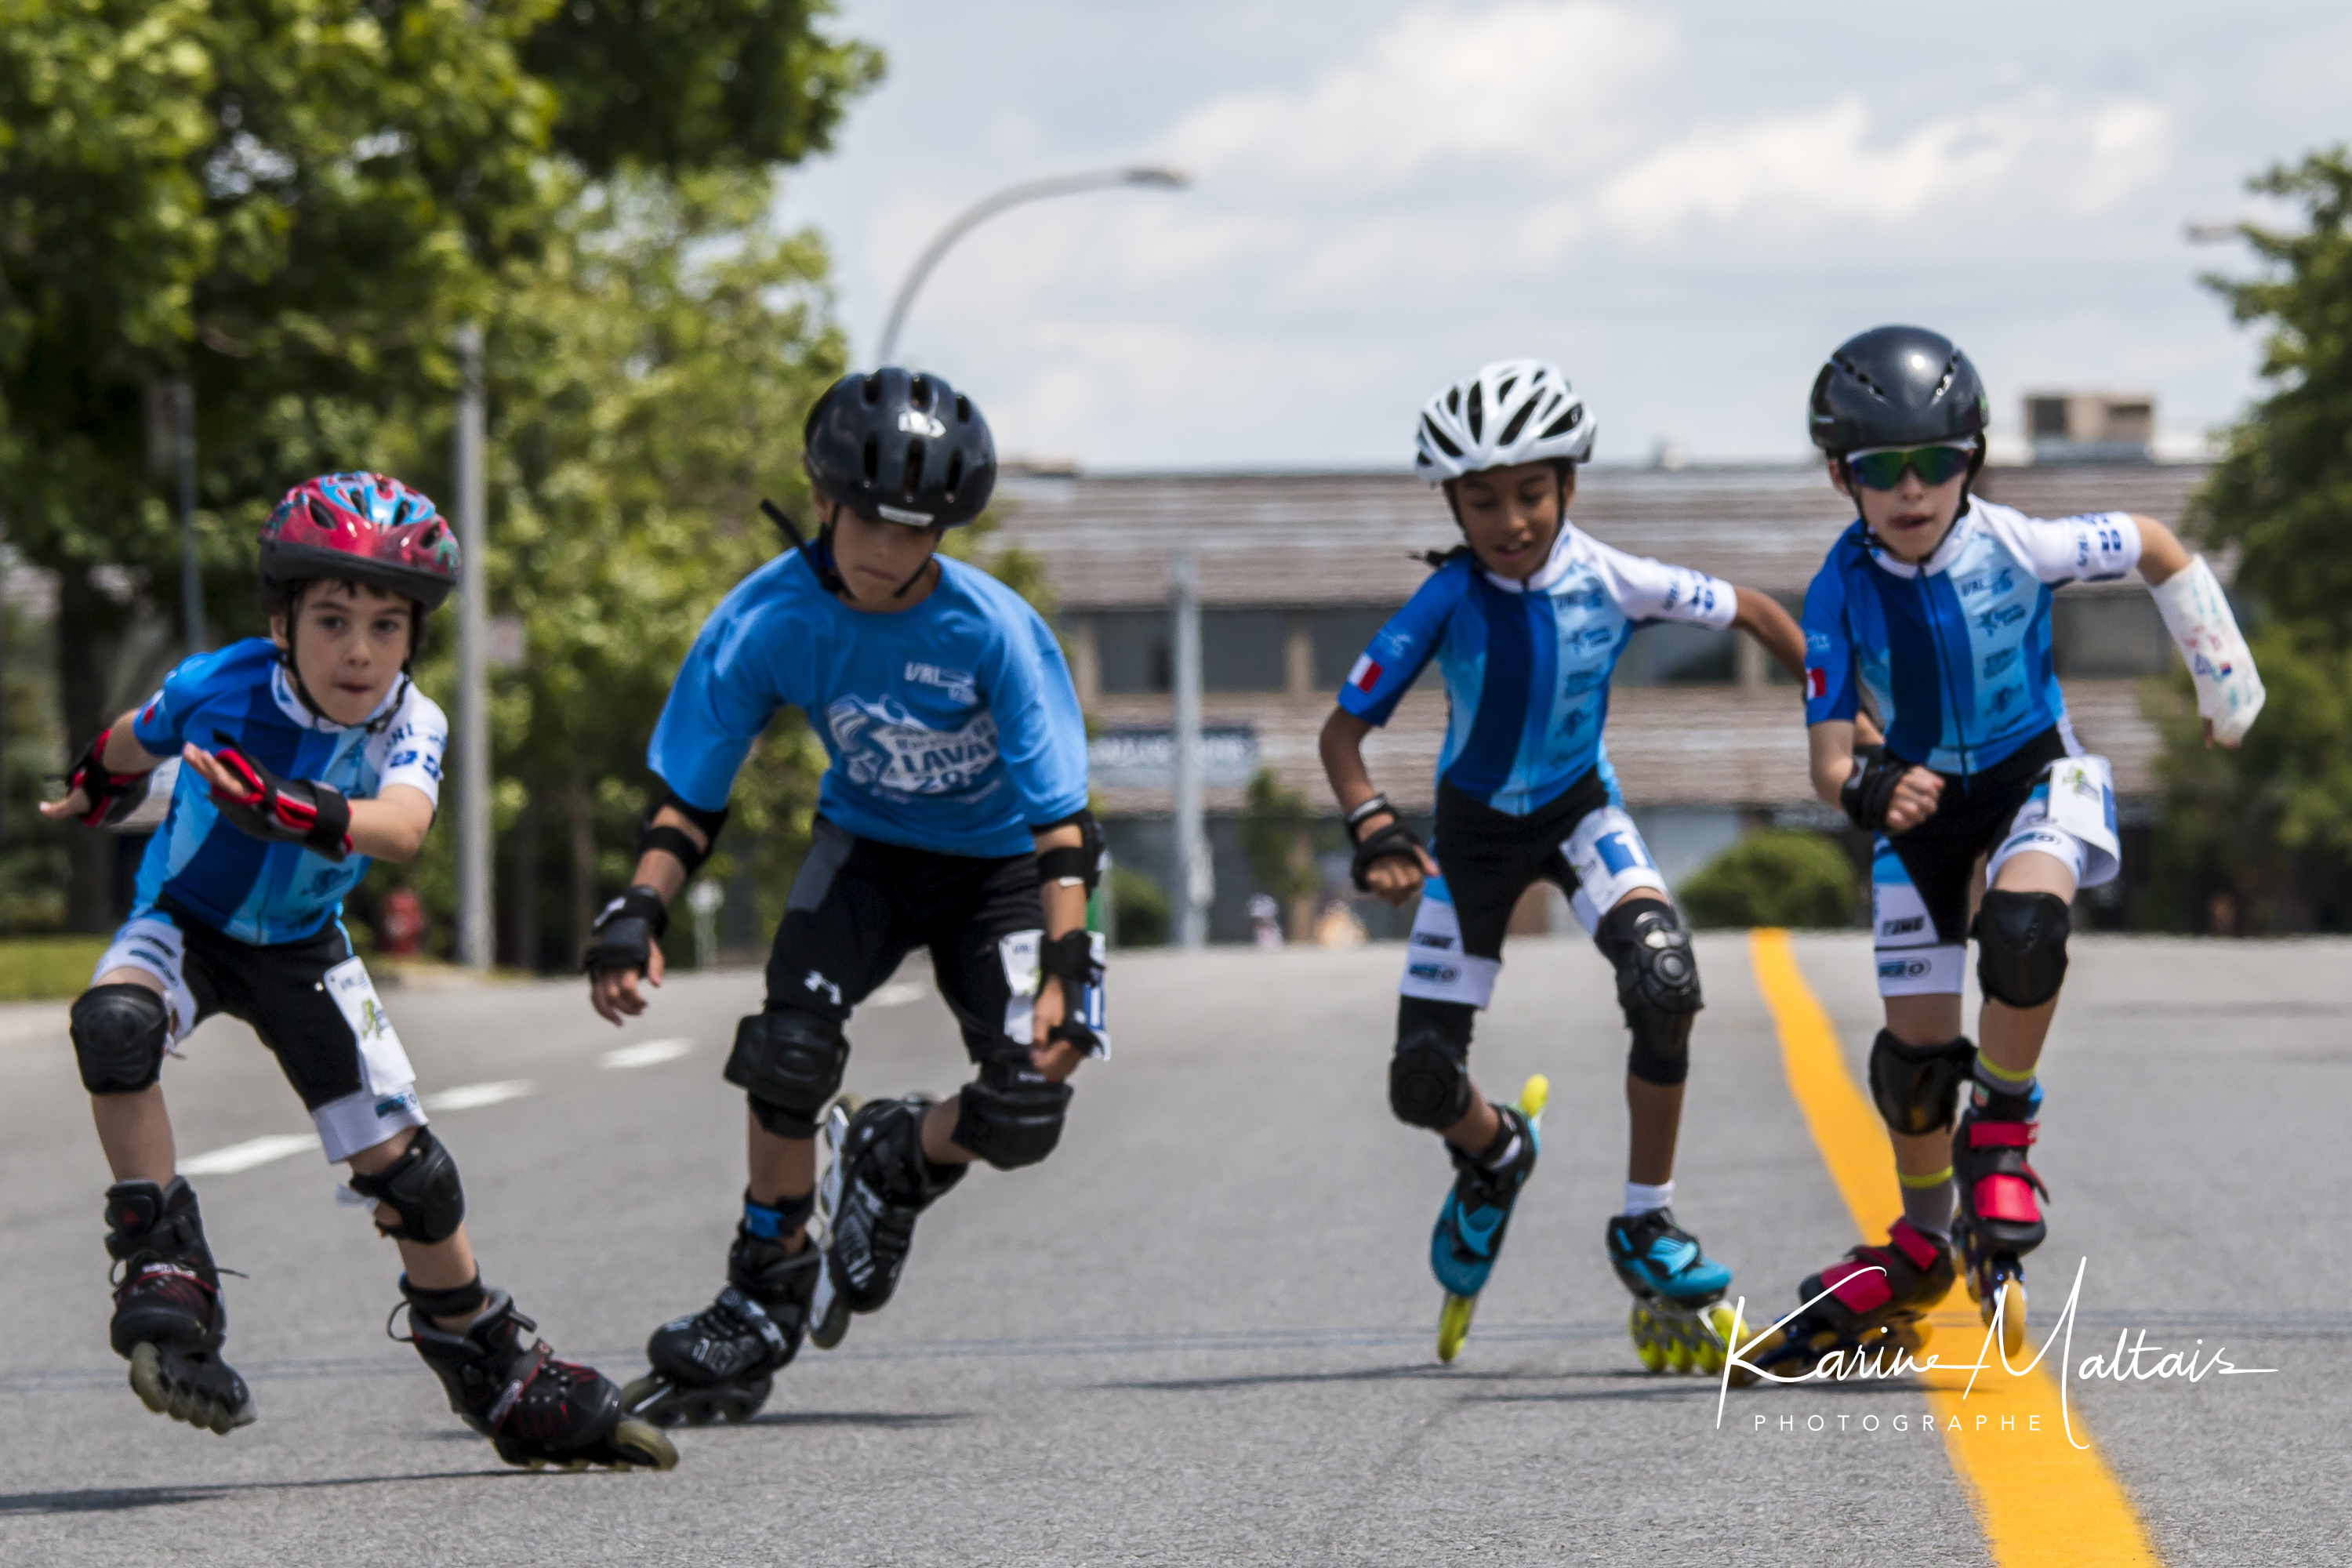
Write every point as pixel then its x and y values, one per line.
pixel 1642 1328
pixel 1680 1355
pixel 1714 1336
pixel 2010 1294
pixel 1453 1324
pixel 1534 1094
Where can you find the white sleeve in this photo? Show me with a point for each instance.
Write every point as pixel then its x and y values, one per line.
pixel 2098 547
pixel 412 747
pixel 1649 590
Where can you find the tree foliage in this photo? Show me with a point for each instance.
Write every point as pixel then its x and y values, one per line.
pixel 2261 838
pixel 1778 878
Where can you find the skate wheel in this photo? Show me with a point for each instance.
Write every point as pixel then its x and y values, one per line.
pixel 642 1393
pixel 2009 1297
pixel 1679 1353
pixel 638 1444
pixel 1641 1327
pixel 1453 1324
pixel 147 1379
pixel 1534 1095
pixel 1714 1330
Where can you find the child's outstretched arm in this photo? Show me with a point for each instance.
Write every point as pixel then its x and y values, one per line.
pixel 98 783
pixel 1390 861
pixel 2197 613
pixel 1761 617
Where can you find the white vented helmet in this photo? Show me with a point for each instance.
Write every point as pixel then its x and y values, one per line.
pixel 1513 411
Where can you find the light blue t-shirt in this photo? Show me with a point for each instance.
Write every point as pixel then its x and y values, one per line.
pixel 1527 665
pixel 950 726
pixel 250 889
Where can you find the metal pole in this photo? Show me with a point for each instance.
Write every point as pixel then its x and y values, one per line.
pixel 474 949
pixel 192 577
pixel 1195 880
pixel 988 207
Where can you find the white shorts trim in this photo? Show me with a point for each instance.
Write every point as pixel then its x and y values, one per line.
pixel 154 946
pixel 1913 961
pixel 2071 817
pixel 1435 967
pixel 1610 861
pixel 364 1119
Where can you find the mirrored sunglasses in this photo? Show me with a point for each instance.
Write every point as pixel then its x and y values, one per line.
pixel 1881 467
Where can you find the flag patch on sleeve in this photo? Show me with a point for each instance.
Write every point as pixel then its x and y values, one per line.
pixel 1365 675
pixel 1817 684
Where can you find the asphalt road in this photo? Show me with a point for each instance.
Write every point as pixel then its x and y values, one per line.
pixel 1204 1329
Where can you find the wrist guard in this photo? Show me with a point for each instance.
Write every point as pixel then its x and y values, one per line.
pixel 1069 958
pixel 282 810
pixel 1869 790
pixel 112 797
pixel 1395 838
pixel 624 934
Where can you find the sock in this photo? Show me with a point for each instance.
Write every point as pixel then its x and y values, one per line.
pixel 1641 1199
pixel 1927 1203
pixel 2000 1080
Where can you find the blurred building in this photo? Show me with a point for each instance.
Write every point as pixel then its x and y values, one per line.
pixel 2091 426
pixel 1297 571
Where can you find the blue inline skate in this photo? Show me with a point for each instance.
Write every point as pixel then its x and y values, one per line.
pixel 1470 1227
pixel 1679 1323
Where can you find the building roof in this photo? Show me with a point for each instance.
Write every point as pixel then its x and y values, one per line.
pixel 1304 539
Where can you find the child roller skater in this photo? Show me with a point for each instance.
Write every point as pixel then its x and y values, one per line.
pixel 1526 621
pixel 953 816
pixel 1936 606
pixel 302 755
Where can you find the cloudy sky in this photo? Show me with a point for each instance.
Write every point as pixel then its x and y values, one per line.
pixel 1685 204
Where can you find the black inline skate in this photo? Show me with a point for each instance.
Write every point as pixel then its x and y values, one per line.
pixel 1873 1302
pixel 1999 1220
pixel 505 1383
pixel 168 1317
pixel 876 1184
pixel 720 1364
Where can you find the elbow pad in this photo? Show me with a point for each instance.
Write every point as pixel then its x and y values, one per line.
pixel 676 842
pixel 2197 613
pixel 1080 863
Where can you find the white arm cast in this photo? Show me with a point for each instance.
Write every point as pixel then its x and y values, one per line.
pixel 2197 613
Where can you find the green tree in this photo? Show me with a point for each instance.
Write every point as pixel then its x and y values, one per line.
pixel 1279 833
pixel 2261 838
pixel 1777 878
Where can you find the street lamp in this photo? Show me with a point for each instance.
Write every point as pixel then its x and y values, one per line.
pixel 1140 176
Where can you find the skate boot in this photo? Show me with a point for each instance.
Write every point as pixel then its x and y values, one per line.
pixel 876 1181
pixel 1998 1221
pixel 505 1383
pixel 1871 1302
pixel 169 1321
pixel 1477 1214
pixel 1679 1323
pixel 720 1362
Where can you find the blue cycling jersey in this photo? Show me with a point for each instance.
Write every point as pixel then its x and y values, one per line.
pixel 1527 665
pixel 950 726
pixel 1955 651
pixel 250 889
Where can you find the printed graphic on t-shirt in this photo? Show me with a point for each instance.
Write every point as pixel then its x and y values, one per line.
pixel 886 747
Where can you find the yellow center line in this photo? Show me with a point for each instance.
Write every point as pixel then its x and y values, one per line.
pixel 2039 1498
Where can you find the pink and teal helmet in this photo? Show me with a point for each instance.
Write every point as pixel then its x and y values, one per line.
pixel 361 528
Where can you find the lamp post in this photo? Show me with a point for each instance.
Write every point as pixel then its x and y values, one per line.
pixel 474 940
pixel 1137 176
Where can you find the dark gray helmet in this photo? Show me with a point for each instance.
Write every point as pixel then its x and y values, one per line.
pixel 903 446
pixel 1896 387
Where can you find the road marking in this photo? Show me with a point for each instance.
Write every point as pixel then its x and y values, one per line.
pixel 244 1156
pixel 897 996
pixel 473 1095
pixel 645 1053
pixel 2039 1498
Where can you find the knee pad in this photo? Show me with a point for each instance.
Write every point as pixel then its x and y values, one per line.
pixel 421 1187
pixel 1917 1087
pixel 1657 986
pixel 2022 946
pixel 1010 1115
pixel 1429 1076
pixel 790 1064
pixel 119 1035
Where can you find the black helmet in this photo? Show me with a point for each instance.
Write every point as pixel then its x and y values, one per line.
pixel 900 444
pixel 1896 387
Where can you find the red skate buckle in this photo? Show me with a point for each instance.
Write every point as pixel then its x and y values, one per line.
pixel 1921 1251
pixel 2002 1134
pixel 2007 1198
pixel 1861 1286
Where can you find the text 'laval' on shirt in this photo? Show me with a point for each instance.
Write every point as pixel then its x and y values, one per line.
pixel 1527 665
pixel 950 726
pixel 242 885
pixel 1955 651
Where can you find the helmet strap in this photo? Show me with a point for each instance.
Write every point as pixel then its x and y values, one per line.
pixel 917 576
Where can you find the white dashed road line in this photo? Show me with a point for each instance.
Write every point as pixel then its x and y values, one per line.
pixel 244 1156
pixel 896 996
pixel 472 1096
pixel 645 1053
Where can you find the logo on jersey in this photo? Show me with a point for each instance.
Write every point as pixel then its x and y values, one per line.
pixel 1365 675
pixel 885 747
pixel 1998 661
pixel 1817 684
pixel 959 684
